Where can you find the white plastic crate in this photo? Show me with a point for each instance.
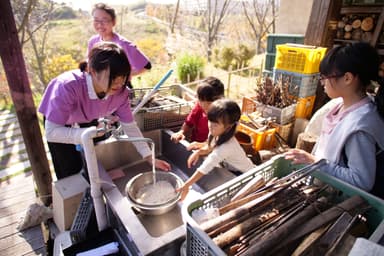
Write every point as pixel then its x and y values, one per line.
pixel 282 115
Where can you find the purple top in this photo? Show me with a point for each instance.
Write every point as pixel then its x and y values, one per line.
pixel 68 100
pixel 136 58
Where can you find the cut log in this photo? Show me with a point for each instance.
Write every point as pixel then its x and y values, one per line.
pixel 348 28
pixel 356 24
pixel 306 141
pixel 367 24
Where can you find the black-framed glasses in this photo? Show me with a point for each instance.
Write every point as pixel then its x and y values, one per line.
pixel 324 77
pixel 101 22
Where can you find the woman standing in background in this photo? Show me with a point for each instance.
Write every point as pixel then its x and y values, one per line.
pixel 104 19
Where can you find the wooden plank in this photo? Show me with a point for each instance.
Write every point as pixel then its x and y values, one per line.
pixel 8 230
pixel 28 235
pixel 24 247
pixel 12 218
pixel 28 198
pixel 17 182
pixel 11 191
pixel 41 251
pixel 360 9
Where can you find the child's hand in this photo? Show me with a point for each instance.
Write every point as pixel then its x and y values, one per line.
pixel 195 145
pixel 184 191
pixel 159 164
pixel 299 156
pixel 177 136
pixel 193 158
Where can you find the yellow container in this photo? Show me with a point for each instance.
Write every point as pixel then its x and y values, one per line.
pixel 304 107
pixel 299 58
pixel 260 139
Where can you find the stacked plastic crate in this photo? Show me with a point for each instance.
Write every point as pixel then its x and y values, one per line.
pixel 272 41
pixel 300 65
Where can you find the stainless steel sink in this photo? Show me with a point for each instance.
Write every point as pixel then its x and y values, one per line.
pixel 151 234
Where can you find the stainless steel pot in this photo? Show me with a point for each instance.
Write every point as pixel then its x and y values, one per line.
pixel 146 178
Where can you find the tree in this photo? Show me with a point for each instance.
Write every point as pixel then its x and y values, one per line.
pixel 32 25
pixel 216 12
pixel 261 17
pixel 175 16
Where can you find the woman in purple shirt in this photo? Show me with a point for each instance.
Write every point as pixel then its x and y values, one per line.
pixel 77 99
pixel 104 19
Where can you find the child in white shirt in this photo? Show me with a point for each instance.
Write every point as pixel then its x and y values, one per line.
pixel 222 146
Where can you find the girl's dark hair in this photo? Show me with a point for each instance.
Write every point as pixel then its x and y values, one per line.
pixel 106 55
pixel 83 66
pixel 362 60
pixel 210 89
pixel 106 8
pixel 227 112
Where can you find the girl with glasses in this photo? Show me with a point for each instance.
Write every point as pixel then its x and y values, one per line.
pixel 351 137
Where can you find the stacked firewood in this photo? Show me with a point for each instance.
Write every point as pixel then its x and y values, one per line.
pixel 274 217
pixel 274 94
pixel 356 27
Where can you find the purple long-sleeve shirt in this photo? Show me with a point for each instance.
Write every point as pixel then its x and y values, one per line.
pixel 69 100
pixel 136 58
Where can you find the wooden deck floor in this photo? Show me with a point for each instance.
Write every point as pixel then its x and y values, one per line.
pixel 16 193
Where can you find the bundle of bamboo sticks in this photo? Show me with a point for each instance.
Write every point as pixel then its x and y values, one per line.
pixel 266 218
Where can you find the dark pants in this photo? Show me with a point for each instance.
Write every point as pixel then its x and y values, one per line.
pixel 66 159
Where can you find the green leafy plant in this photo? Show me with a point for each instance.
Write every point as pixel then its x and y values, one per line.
pixel 236 57
pixel 189 67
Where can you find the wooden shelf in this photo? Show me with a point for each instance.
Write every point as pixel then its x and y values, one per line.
pixel 361 9
pixel 358 9
pixel 345 41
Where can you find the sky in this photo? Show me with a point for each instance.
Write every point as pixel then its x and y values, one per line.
pixel 86 5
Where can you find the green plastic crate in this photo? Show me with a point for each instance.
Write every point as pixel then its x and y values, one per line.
pixel 275 39
pixel 269 61
pixel 199 243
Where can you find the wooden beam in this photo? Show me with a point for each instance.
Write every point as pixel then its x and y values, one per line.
pixel 320 31
pixel 15 70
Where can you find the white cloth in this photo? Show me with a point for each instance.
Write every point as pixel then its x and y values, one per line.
pixel 106 249
pixel 231 153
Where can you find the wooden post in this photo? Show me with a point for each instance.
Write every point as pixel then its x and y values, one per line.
pixel 320 33
pixel 14 66
pixel 229 80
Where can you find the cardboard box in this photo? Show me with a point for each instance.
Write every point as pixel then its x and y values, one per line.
pixel 66 196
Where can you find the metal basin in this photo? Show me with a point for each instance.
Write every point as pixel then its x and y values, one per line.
pixel 146 179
